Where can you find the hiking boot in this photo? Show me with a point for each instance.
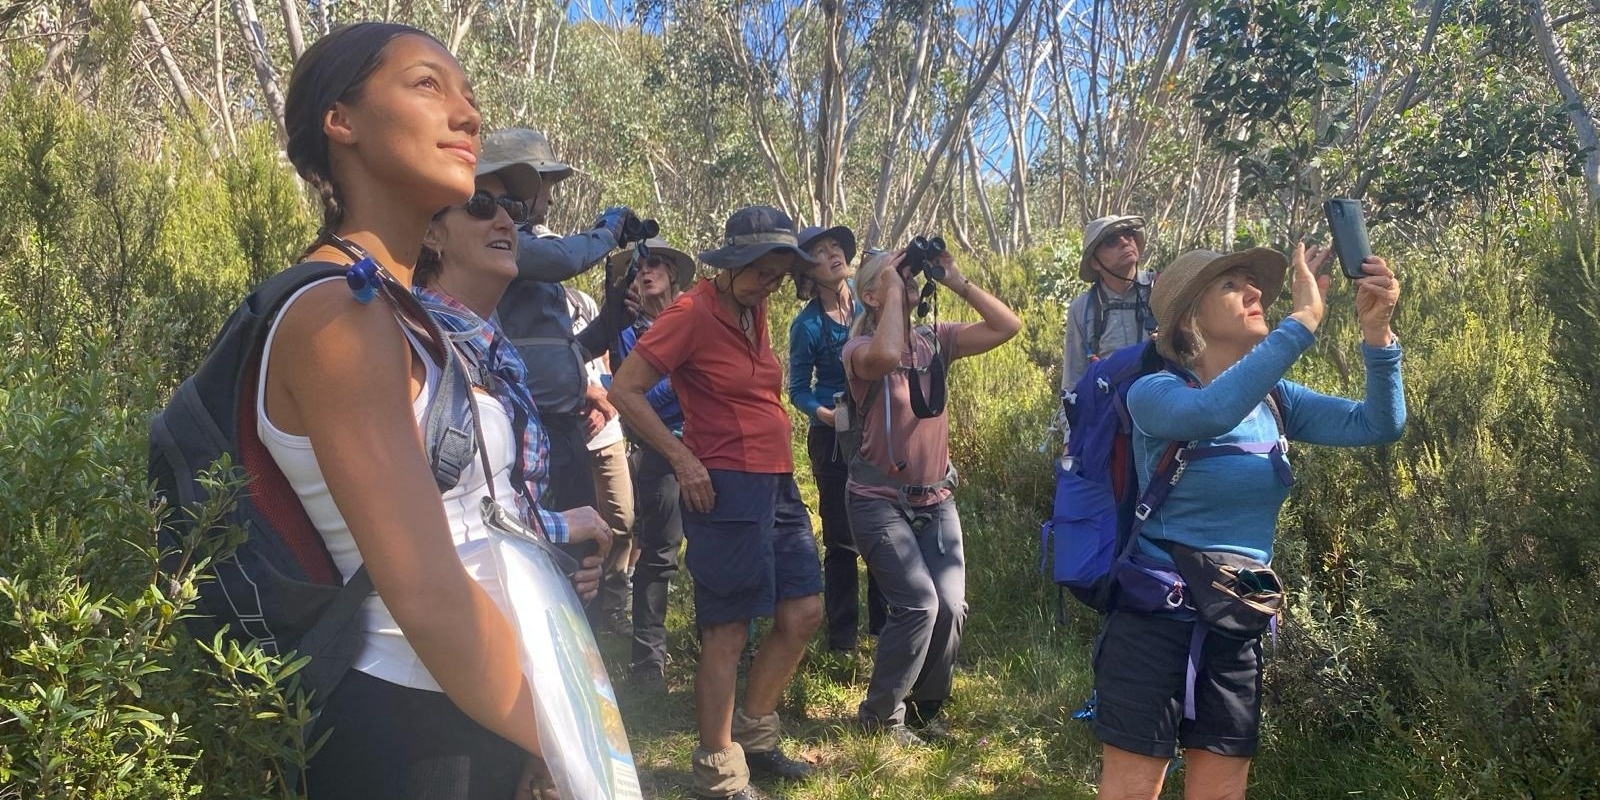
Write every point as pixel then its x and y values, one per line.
pixel 749 792
pixel 896 732
pixel 934 730
pixel 774 763
pixel 648 677
pixel 617 622
pixel 903 736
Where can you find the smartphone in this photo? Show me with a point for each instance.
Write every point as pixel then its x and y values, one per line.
pixel 1349 230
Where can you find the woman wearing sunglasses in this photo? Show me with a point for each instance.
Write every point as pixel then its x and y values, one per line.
pixel 662 275
pixel 381 121
pixel 468 257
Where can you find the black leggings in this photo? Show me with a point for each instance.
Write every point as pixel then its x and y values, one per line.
pixel 390 741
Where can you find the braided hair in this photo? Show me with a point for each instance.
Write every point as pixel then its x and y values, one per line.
pixel 333 70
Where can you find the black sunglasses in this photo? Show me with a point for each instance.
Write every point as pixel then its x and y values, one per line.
pixel 484 205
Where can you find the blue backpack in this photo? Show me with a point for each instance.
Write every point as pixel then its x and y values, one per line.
pixel 1098 509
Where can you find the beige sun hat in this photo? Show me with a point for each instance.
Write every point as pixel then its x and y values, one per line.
pixel 1095 232
pixel 1183 280
pixel 523 158
pixel 682 263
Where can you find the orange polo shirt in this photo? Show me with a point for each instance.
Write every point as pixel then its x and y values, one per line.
pixel 730 390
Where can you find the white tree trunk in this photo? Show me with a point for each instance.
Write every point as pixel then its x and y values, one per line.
pixel 958 120
pixel 1555 58
pixel 224 102
pixel 897 131
pixel 255 43
pixel 180 85
pixel 291 24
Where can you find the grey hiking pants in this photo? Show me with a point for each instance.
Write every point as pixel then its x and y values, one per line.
pixel 915 554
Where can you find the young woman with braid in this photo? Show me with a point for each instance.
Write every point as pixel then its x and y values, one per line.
pixel 381 121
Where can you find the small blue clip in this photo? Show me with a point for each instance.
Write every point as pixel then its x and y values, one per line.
pixel 363 279
pixel 1086 714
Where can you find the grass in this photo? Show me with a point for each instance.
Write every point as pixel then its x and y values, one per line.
pixel 1020 677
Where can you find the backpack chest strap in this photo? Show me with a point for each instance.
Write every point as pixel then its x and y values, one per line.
pixel 1276 452
pixel 1171 470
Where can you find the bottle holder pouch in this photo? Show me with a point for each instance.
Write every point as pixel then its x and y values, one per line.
pixel 1147 586
pixel 1234 595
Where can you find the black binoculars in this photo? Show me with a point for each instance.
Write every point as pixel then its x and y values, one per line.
pixel 637 230
pixel 922 255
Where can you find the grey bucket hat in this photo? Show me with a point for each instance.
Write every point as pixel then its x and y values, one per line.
pixel 751 233
pixel 524 160
pixel 682 263
pixel 1096 232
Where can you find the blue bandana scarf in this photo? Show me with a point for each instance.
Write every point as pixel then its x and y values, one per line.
pixel 500 371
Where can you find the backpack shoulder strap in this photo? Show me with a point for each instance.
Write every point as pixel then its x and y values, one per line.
pixel 1094 323
pixel 1275 405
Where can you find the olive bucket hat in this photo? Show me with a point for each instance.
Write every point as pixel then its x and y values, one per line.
pixel 682 263
pixel 1189 274
pixel 753 232
pixel 1096 232
pixel 524 160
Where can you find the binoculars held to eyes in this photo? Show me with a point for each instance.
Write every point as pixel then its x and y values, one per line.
pixel 922 258
pixel 922 255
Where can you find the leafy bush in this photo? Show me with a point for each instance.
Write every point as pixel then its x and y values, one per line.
pixel 117 270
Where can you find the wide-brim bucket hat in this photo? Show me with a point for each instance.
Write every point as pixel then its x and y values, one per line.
pixel 1096 232
pixel 682 263
pixel 1189 274
pixel 524 160
pixel 809 237
pixel 753 232
pixel 839 233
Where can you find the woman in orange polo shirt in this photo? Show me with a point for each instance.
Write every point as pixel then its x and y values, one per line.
pixel 750 548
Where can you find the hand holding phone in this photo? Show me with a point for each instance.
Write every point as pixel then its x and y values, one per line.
pixel 1349 231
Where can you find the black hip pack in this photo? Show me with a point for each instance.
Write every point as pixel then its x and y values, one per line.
pixel 1233 595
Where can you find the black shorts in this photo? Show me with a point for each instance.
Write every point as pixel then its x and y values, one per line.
pixel 1140 666
pixel 395 741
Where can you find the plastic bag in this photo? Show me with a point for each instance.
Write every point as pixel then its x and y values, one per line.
pixel 586 747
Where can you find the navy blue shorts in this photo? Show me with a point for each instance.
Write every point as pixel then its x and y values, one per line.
pixel 1140 665
pixel 754 549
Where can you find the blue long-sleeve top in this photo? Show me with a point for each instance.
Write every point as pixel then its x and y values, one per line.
pixel 663 400
pixel 1231 502
pixel 533 315
pixel 816 371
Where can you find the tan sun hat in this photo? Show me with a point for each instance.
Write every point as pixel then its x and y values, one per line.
pixel 1183 280
pixel 682 263
pixel 524 160
pixel 1096 232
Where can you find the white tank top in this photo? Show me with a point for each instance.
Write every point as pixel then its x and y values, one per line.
pixel 387 654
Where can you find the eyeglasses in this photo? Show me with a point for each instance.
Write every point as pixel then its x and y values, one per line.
pixel 769 276
pixel 484 205
pixel 655 262
pixel 1125 233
